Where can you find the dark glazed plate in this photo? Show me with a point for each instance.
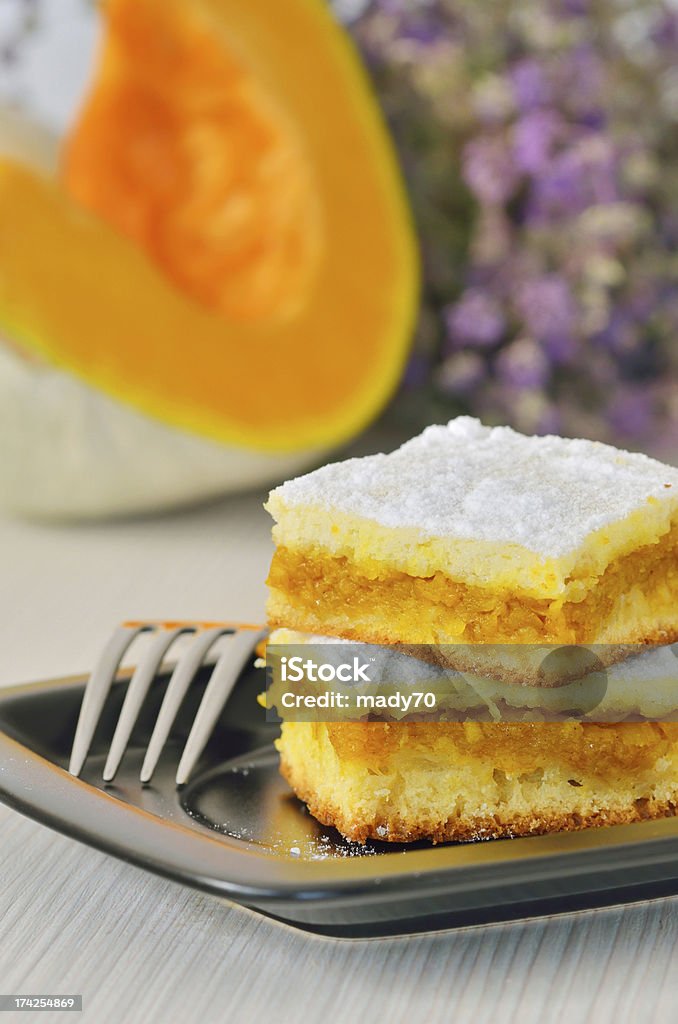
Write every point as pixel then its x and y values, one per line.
pixel 237 832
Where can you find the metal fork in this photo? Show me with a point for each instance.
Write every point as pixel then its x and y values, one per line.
pixel 226 670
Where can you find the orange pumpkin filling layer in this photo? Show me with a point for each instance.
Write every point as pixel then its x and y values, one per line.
pixel 511 747
pixel 313 592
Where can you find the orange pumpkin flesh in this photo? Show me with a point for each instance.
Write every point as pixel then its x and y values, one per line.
pixel 184 150
pixel 247 270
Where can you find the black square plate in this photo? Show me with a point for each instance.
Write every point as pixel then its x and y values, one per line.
pixel 236 831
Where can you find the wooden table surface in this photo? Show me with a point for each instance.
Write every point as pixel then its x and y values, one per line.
pixel 142 949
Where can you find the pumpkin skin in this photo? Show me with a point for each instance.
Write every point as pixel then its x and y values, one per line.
pixel 303 347
pixel 69 452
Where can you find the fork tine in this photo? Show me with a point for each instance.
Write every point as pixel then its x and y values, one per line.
pixel 139 686
pixel 223 679
pixel 181 679
pixel 97 689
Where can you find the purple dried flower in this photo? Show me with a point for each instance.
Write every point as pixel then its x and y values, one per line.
pixel 581 84
pixel 476 320
pixel 488 169
pixel 574 8
pixel 523 364
pixel 530 85
pixel 534 137
pixel 562 124
pixel 421 30
pixel 546 307
pixel 665 32
pixel 584 174
pixel 562 349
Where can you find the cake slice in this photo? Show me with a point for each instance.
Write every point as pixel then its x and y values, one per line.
pixel 471 535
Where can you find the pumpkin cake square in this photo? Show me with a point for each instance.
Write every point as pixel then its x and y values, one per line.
pixel 469 534
pixel 480 536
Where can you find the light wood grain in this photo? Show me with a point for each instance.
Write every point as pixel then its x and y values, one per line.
pixel 142 949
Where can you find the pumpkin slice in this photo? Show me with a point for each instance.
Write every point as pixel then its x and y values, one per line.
pixel 69 451
pixel 246 268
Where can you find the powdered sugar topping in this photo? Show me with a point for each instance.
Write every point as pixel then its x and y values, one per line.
pixel 471 482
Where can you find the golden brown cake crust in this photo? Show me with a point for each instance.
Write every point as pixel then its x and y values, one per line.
pixel 472 827
pixel 451 782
